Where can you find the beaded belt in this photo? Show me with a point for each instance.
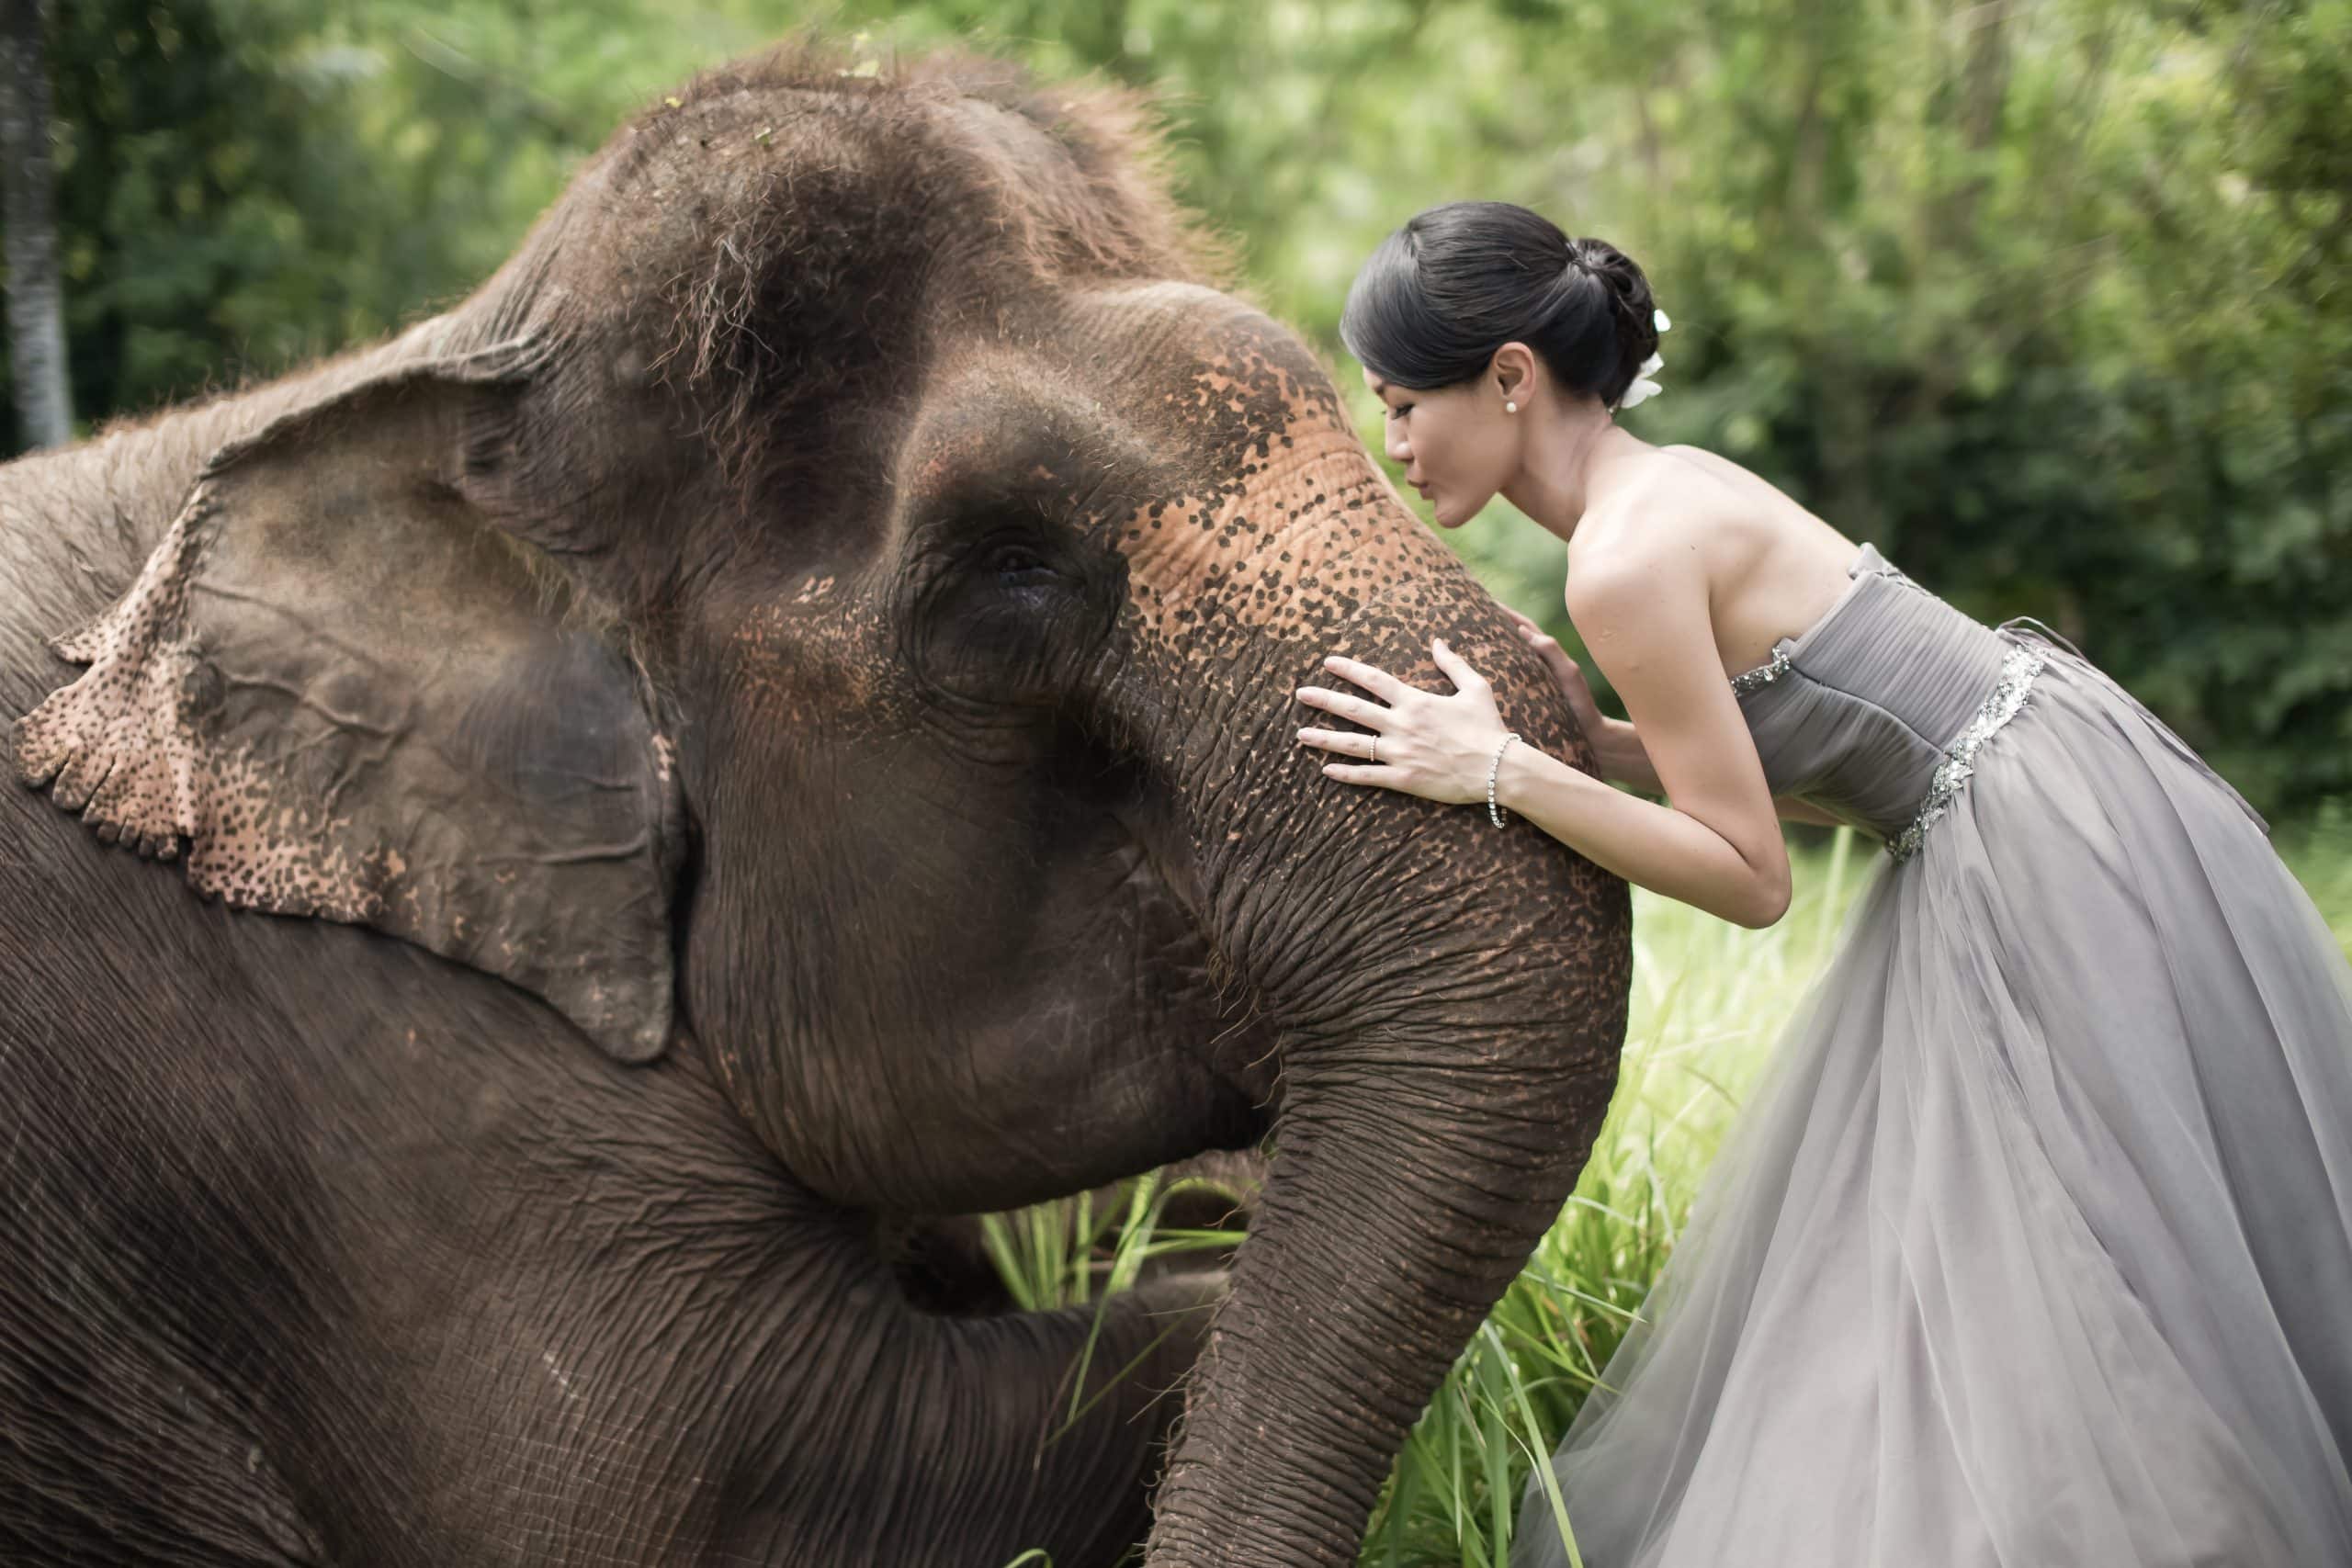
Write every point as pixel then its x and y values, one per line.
pixel 2018 671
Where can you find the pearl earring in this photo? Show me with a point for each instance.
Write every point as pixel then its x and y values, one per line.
pixel 1510 408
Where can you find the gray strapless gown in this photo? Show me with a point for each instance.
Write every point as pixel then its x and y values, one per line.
pixel 2033 1246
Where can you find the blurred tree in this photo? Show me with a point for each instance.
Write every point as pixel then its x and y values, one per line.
pixel 36 320
pixel 197 193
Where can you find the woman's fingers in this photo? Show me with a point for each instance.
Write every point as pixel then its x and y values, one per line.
pixel 1378 681
pixel 1456 668
pixel 1547 649
pixel 1537 638
pixel 1346 706
pixel 1528 626
pixel 1359 772
pixel 1339 740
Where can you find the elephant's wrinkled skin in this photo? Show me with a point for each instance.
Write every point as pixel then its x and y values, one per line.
pixel 804 656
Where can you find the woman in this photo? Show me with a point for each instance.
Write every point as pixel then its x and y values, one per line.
pixel 2034 1245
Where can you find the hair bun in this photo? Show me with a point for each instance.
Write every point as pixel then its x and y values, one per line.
pixel 1629 292
pixel 1456 282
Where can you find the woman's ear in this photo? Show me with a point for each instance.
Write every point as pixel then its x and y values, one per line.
pixel 342 692
pixel 1510 375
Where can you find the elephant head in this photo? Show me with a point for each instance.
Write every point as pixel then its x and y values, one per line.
pixel 831 604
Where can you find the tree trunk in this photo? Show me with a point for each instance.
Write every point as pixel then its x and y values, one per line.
pixel 36 307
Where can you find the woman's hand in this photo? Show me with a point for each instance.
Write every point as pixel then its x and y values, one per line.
pixel 1564 671
pixel 1438 748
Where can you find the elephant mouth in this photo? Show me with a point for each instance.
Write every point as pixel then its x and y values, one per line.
pixel 1099 1033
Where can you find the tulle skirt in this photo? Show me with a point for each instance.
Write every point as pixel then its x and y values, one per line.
pixel 2034 1245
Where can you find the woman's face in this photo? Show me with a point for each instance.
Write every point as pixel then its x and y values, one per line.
pixel 1456 444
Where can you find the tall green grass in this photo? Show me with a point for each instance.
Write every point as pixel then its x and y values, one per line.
pixel 1709 1001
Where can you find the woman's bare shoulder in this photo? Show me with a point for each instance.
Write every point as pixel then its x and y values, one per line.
pixel 1665 515
pixel 1756 493
pixel 1714 462
pixel 1753 524
pixel 1655 539
pixel 1695 522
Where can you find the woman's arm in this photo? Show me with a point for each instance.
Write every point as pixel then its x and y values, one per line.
pixel 1617 749
pixel 1665 850
pixel 1716 846
pixel 1717 843
pixel 1794 808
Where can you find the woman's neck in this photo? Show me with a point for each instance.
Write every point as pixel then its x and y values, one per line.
pixel 1569 468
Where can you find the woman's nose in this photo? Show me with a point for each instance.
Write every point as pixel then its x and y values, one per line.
pixel 1399 449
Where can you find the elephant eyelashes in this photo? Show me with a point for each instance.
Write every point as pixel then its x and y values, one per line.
pixel 1019 566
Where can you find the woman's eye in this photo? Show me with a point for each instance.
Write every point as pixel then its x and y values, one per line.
pixel 1400 411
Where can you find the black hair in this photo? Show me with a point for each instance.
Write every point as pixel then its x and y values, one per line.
pixel 1439 294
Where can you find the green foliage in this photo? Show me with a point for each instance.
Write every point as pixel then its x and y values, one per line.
pixel 246 185
pixel 195 197
pixel 2045 300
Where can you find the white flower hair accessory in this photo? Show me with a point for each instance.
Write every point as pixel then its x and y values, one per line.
pixel 1644 388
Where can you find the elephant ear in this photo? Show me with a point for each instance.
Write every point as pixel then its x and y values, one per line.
pixel 338 689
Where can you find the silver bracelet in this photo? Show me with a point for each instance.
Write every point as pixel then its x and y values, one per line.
pixel 1494 813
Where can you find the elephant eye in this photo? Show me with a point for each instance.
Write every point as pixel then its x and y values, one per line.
pixel 1017 565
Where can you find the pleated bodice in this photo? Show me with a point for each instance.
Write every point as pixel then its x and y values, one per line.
pixel 1861 711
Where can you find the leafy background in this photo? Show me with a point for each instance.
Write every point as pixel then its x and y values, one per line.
pixel 2047 299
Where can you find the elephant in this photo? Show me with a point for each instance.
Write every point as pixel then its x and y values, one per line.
pixel 768 721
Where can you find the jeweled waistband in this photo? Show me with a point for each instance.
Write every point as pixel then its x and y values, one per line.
pixel 2018 672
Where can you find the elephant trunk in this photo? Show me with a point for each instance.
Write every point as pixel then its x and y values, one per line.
pixel 1449 1045
pixel 1397 1213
